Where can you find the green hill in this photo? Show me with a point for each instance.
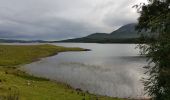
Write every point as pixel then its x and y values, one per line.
pixel 125 34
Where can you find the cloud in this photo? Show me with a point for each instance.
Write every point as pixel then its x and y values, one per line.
pixel 60 19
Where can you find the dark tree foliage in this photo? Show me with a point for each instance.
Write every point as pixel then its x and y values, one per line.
pixel 155 17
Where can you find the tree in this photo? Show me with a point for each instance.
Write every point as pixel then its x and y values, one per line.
pixel 155 17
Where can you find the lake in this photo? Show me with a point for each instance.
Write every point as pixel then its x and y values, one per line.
pixel 113 70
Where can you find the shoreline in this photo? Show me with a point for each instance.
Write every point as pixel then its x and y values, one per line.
pixel 78 89
pixel 21 68
pixel 32 87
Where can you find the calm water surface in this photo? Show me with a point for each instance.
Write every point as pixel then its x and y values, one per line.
pixel 108 69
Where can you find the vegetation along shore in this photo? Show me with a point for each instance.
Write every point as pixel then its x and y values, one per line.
pixel 18 85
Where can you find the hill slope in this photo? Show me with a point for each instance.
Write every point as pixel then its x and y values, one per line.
pixel 125 34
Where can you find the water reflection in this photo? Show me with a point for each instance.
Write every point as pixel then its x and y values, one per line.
pixel 109 69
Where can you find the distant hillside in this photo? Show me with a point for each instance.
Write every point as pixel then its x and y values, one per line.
pixel 21 41
pixel 126 31
pixel 125 34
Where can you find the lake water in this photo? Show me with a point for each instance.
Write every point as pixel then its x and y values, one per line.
pixel 108 69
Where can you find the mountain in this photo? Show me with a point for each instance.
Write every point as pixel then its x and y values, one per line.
pixel 21 41
pixel 125 34
pixel 126 31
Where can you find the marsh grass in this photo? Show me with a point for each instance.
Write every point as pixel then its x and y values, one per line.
pixel 13 94
pixel 12 55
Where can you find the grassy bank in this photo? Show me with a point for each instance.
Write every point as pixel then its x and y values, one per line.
pixel 15 83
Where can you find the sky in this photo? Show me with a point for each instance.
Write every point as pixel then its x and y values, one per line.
pixel 62 19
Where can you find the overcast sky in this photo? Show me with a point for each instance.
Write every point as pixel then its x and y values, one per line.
pixel 61 19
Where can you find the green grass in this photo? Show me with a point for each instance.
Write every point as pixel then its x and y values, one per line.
pixel 11 55
pixel 30 87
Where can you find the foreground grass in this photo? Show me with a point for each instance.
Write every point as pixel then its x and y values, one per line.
pixel 26 87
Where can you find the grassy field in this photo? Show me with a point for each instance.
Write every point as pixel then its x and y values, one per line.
pixel 15 83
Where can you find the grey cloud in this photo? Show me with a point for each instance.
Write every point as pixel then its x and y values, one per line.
pixel 57 28
pixel 60 19
pixel 121 14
